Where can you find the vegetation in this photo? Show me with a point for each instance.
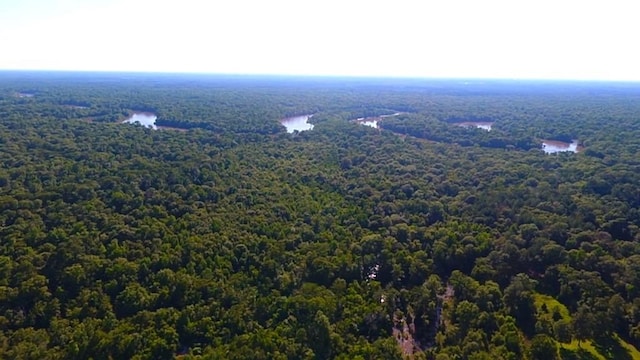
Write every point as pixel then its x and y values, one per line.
pixel 237 240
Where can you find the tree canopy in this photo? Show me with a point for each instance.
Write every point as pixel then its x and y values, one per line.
pixel 227 237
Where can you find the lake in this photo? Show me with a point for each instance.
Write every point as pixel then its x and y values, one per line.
pixel 143 118
pixel 552 146
pixel 297 123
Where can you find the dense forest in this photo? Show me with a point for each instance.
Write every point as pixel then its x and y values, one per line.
pixel 224 236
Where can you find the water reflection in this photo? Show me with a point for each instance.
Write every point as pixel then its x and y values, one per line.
pixel 371 123
pixel 552 146
pixel 145 119
pixel 484 125
pixel 298 123
pixel 373 120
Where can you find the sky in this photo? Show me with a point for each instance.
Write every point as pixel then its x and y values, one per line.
pixel 521 39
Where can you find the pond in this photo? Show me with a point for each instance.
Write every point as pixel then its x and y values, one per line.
pixel 297 123
pixel 143 118
pixel 552 146
pixel 484 125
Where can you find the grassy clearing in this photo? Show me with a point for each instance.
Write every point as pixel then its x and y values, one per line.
pixel 552 305
pixel 635 354
pixel 586 350
pixel 613 348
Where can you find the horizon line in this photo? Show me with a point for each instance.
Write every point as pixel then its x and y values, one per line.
pixel 327 76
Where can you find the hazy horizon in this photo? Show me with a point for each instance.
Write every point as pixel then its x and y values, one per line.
pixel 462 80
pixel 495 39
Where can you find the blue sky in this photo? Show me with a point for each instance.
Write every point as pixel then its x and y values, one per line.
pixel 560 39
